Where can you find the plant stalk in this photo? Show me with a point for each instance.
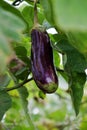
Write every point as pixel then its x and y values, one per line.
pixel 19 85
pixel 35 14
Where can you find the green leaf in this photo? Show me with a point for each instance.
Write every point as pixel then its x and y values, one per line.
pixel 12 10
pixel 5 103
pixel 25 43
pixel 4 81
pixel 41 16
pixel 21 50
pixel 77 81
pixel 28 14
pixel 19 71
pixel 10 22
pixel 72 58
pixel 75 65
pixel 23 72
pixel 42 95
pixel 68 15
pixel 3 62
pixel 24 94
pixel 79 41
pixel 46 4
pixel 56 58
pixel 71 18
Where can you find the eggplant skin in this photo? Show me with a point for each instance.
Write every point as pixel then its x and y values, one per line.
pixel 43 70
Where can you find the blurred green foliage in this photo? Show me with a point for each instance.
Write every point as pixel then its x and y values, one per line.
pixel 26 107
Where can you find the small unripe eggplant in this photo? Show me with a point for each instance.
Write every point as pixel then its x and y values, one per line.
pixel 42 62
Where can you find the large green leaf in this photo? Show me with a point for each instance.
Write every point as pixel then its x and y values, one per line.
pixel 69 15
pixel 11 9
pixel 10 25
pixel 75 65
pixel 46 4
pixel 72 58
pixel 77 81
pixel 10 29
pixel 79 41
pixel 5 103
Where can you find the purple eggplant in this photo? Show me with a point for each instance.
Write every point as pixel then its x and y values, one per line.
pixel 43 70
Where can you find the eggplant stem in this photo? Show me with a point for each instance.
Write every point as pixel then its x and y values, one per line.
pixel 35 13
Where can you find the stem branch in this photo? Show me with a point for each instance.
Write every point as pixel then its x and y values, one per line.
pixel 19 85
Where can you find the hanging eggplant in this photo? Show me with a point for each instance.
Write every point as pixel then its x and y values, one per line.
pixel 42 61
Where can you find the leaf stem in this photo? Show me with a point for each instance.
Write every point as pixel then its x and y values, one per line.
pixel 19 85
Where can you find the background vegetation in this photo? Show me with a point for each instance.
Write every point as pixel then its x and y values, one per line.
pixel 21 103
